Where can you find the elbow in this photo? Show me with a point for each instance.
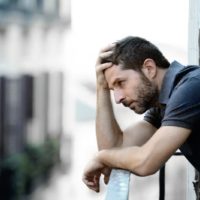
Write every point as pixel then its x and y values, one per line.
pixel 145 168
pixel 142 171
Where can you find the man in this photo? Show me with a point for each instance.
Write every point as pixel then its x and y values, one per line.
pixel 142 79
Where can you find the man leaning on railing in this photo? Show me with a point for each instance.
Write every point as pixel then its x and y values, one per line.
pixel 142 79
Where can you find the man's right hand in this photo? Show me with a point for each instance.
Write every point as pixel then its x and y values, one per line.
pixel 101 65
pixel 93 172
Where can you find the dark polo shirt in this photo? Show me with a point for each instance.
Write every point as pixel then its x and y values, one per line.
pixel 180 106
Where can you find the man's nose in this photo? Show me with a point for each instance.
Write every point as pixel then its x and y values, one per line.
pixel 119 96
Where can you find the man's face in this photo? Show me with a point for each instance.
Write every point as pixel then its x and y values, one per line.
pixel 131 88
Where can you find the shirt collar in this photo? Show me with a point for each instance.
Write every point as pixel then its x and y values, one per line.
pixel 168 81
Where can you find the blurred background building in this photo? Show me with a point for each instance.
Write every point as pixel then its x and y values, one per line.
pixel 48 50
pixel 32 50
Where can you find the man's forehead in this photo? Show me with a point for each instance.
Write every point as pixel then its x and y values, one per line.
pixel 112 70
pixel 111 73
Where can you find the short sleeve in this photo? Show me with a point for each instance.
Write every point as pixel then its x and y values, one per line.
pixel 153 116
pixel 183 107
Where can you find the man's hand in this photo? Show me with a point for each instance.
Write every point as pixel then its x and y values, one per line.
pixel 92 174
pixel 102 64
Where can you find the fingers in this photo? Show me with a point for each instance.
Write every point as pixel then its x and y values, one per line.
pixel 104 61
pixel 105 57
pixel 108 47
pixel 106 179
pixel 100 76
pixel 92 182
pixel 92 174
pixel 105 53
pixel 96 180
pixel 103 67
pixel 106 172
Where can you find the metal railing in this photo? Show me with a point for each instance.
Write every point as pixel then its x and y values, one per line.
pixel 162 179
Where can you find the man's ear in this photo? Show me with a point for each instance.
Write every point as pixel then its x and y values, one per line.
pixel 149 68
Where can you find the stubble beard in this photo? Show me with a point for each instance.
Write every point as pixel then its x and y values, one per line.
pixel 148 94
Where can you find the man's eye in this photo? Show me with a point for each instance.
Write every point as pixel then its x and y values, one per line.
pixel 121 83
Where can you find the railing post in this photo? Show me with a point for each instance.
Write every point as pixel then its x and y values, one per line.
pixel 197 185
pixel 162 183
pixel 118 186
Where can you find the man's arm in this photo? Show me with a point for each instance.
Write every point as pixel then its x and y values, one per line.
pixel 108 132
pixel 144 160
pixel 138 133
pixel 147 159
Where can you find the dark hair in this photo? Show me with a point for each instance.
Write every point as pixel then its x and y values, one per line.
pixel 131 52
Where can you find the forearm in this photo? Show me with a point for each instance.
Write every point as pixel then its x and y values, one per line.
pixel 148 158
pixel 138 133
pixel 108 132
pixel 129 158
pixel 142 161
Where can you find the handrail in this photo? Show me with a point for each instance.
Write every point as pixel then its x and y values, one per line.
pixel 118 186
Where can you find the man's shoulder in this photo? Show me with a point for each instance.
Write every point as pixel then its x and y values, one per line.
pixel 188 75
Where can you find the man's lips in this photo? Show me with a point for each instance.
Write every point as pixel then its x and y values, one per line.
pixel 125 104
pixel 129 104
pixel 132 105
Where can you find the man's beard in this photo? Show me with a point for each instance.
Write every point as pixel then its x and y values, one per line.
pixel 147 96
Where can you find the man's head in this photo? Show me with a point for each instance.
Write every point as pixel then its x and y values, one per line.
pixel 134 74
pixel 131 52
